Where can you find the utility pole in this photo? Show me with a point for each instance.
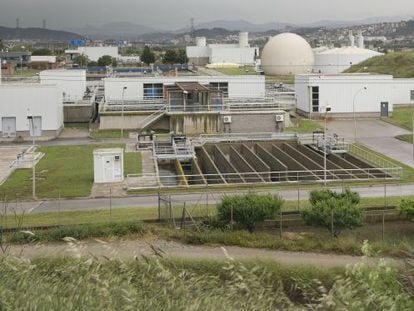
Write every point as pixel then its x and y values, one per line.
pixel 122 111
pixel 327 109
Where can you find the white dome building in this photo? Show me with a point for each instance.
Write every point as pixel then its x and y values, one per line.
pixel 287 54
pixel 338 60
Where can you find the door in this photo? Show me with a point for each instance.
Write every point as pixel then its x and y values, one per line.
pixel 8 126
pixel 384 109
pixel 36 127
pixel 108 169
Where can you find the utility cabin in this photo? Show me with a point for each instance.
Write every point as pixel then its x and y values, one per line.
pixel 193 97
pixel 108 165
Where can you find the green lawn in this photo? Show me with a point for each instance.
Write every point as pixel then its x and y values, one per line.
pixel 67 170
pixel 281 79
pixel 98 134
pixel 248 70
pixel 305 126
pixel 406 137
pixel 403 117
pixel 25 73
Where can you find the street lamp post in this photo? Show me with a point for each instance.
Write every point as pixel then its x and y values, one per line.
pixel 122 111
pixel 327 109
pixel 30 118
pixel 353 109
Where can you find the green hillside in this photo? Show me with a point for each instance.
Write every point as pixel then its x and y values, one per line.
pixel 398 64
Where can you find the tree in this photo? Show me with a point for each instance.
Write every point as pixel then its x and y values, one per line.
pixel 147 56
pixel 170 57
pixel 106 60
pixel 406 207
pixel 81 60
pixel 248 209
pixel 333 211
pixel 93 64
pixel 42 52
pixel 182 57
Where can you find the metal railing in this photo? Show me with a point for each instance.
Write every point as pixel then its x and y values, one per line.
pixel 280 177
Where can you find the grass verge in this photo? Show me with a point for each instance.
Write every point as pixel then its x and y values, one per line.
pixel 64 170
pixel 305 126
pixel 402 117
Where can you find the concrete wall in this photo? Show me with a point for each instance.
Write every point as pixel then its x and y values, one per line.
pixel 71 82
pixel 95 52
pixel 338 92
pixel 402 91
pixel 250 122
pixel 19 101
pixel 194 123
pixel 77 113
pixel 110 121
pixel 239 86
pixel 233 55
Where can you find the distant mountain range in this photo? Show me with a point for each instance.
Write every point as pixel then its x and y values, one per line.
pixel 117 30
pixel 7 33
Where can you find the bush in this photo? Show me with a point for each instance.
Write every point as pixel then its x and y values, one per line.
pixel 248 209
pixel 342 207
pixel 406 207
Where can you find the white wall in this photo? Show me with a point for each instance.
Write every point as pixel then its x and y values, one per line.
pixel 32 99
pixel 402 91
pixel 239 86
pixel 71 82
pixel 197 51
pixel 95 52
pixel 338 91
pixel 233 55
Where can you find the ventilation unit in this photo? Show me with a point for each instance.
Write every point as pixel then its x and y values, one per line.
pixel 227 119
pixel 280 118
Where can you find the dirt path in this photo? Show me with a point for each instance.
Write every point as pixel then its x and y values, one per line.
pixel 131 248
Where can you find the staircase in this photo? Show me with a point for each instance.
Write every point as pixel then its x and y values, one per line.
pixel 152 119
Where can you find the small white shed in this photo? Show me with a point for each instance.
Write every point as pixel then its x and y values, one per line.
pixel 108 165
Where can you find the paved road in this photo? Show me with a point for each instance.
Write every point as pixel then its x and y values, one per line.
pixel 189 198
pixel 377 135
pixel 137 248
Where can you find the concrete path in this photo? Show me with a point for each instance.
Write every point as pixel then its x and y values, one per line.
pixel 377 135
pixel 137 248
pixel 190 198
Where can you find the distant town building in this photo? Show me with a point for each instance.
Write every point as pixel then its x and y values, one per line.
pixel 43 62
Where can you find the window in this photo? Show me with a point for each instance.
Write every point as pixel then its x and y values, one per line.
pixel 412 95
pixel 222 86
pixel 153 91
pixel 315 98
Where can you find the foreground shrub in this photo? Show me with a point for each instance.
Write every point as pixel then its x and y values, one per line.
pixel 406 207
pixel 333 211
pixel 79 232
pixel 246 210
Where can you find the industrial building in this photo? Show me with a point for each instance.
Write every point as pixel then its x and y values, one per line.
pixel 287 54
pixel 43 62
pixel 30 110
pixel 240 54
pixel 194 104
pixel 338 60
pixel 92 52
pixel 366 95
pixel 72 83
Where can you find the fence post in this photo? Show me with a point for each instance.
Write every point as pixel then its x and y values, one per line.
pixel 159 206
pixel 59 207
pixel 183 218
pixel 332 223
pixel 383 225
pixel 281 221
pixel 298 199
pixel 231 217
pixel 110 201
pixel 385 196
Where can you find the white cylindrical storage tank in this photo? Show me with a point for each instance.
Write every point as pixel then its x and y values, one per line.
pixel 201 41
pixel 244 39
pixel 287 54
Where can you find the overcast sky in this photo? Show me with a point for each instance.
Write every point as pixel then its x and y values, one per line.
pixel 172 14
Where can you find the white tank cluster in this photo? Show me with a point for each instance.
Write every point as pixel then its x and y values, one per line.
pixel 338 60
pixel 287 54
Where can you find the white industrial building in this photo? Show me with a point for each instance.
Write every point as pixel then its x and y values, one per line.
pixel 241 53
pixel 72 83
pixel 338 60
pixel 21 103
pixel 287 54
pixel 371 95
pixel 92 52
pixel 150 88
